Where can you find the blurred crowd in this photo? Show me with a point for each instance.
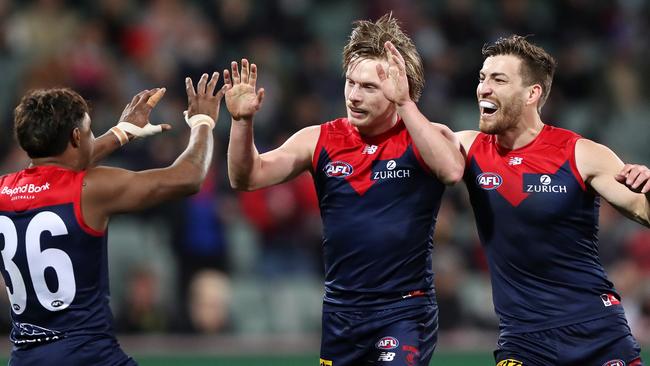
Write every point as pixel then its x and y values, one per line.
pixel 247 263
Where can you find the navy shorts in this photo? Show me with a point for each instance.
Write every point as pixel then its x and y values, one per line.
pixel 600 342
pixel 73 351
pixel 404 336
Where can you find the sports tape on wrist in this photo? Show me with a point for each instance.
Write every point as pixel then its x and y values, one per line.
pixel 123 127
pixel 121 135
pixel 199 119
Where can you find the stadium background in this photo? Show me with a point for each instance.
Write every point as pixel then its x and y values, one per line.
pixel 236 278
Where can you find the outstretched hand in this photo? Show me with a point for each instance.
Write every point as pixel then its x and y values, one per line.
pixel 394 82
pixel 242 100
pixel 138 110
pixel 635 177
pixel 203 100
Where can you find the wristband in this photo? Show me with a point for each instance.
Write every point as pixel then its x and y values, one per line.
pixel 199 119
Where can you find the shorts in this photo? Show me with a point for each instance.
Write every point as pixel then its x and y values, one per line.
pixel 73 351
pixel 599 342
pixel 404 336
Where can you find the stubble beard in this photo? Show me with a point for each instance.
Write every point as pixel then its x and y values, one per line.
pixel 506 119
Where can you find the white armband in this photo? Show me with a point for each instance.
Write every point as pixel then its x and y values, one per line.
pixel 199 119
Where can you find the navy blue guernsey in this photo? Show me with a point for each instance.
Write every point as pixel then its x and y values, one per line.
pixel 378 204
pixel 538 223
pixel 53 264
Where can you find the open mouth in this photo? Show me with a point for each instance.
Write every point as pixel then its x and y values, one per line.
pixel 487 107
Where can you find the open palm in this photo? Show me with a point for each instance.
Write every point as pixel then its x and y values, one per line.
pixel 394 82
pixel 242 98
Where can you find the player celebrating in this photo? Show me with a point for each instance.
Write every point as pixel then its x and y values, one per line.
pixel 379 176
pixel 535 192
pixel 54 216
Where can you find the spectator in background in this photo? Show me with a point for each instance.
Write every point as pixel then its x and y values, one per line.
pixel 141 310
pixel 198 240
pixel 209 301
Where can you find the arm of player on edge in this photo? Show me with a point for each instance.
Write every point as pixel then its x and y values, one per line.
pixel 625 186
pixel 133 123
pixel 109 191
pixel 247 168
pixel 438 145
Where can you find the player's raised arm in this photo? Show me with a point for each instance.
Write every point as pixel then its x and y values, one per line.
pixel 247 168
pixel 438 145
pixel 625 186
pixel 133 123
pixel 110 190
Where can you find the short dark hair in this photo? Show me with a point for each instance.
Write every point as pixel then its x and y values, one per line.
pixel 45 118
pixel 367 40
pixel 537 66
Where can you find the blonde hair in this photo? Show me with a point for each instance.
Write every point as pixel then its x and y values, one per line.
pixel 367 41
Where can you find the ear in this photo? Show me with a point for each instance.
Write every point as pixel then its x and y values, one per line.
pixel 534 94
pixel 75 138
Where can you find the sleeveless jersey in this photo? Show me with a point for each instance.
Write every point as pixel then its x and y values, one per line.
pixel 378 203
pixel 53 264
pixel 538 223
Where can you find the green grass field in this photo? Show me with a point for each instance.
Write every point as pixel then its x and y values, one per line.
pixel 446 359
pixel 439 359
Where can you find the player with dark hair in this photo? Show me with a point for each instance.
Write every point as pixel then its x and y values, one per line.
pixel 54 217
pixel 535 190
pixel 379 175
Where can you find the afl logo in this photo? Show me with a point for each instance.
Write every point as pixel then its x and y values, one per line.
pixel 387 343
pixel 614 363
pixel 338 169
pixel 489 181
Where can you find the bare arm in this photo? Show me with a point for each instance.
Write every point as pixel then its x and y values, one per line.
pixel 436 142
pixel 466 139
pixel 133 113
pixel 438 145
pixel 104 146
pixel 108 191
pixel 626 187
pixel 247 168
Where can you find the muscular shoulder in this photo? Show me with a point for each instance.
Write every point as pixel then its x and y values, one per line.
pixel 102 181
pixel 309 133
pixel 303 140
pixel 594 159
pixel 466 139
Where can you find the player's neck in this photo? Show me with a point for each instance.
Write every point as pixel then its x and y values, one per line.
pixel 57 161
pixel 378 127
pixel 526 130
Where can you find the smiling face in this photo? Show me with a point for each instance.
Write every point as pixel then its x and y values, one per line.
pixel 367 107
pixel 501 94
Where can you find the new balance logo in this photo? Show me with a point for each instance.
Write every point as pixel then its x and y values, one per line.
pixel 386 356
pixel 369 149
pixel 515 160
